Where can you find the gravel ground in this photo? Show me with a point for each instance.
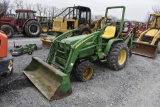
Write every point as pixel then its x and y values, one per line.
pixel 137 85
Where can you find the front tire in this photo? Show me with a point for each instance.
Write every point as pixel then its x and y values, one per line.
pixel 158 47
pixel 83 71
pixel 117 56
pixel 33 28
pixel 8 30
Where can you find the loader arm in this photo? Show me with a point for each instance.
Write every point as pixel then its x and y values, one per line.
pixel 69 58
pixel 79 46
pixel 59 38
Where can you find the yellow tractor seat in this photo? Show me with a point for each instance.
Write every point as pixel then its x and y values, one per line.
pixel 109 32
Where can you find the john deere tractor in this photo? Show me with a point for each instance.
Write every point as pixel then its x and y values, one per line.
pixel 75 55
pixel 24 22
pixel 46 23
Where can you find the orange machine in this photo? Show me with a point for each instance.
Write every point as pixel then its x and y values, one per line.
pixel 6 60
pixel 3 45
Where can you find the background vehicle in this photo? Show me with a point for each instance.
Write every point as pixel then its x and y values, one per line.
pixel 46 23
pixel 6 60
pixel 74 55
pixel 19 49
pixel 24 22
pixel 139 27
pixel 73 18
pixel 148 42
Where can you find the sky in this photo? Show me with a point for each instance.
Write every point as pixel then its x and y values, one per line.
pixel 135 9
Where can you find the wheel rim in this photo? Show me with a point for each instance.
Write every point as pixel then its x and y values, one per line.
pixel 122 57
pixel 85 32
pixel 44 28
pixel 88 73
pixel 34 29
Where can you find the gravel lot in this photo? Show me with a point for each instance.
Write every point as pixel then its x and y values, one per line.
pixel 137 85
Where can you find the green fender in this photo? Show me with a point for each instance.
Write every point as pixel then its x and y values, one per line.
pixel 109 44
pixel 77 47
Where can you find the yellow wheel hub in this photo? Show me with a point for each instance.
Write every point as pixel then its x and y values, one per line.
pixel 44 28
pixel 122 57
pixel 88 73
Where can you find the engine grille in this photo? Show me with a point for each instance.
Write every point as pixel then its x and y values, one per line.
pixel 147 38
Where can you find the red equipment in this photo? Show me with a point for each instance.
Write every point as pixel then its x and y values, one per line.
pixel 23 22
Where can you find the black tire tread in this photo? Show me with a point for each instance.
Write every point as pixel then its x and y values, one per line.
pixel 158 47
pixel 11 29
pixel 27 28
pixel 80 68
pixel 84 28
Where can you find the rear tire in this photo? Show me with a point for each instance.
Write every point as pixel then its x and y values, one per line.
pixel 83 71
pixel 85 30
pixel 117 56
pixel 33 28
pixel 8 30
pixel 45 28
pixel 158 47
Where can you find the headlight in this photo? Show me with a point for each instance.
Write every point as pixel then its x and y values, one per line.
pixel 10 65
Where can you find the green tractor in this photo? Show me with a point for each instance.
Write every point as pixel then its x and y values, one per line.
pixel 46 23
pixel 75 55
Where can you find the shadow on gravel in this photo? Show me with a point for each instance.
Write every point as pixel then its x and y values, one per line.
pixel 100 64
pixel 17 84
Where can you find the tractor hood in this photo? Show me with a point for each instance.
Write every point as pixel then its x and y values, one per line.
pixel 73 40
pixel 152 32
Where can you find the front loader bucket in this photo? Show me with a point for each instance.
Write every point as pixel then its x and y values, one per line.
pixel 144 50
pixel 52 83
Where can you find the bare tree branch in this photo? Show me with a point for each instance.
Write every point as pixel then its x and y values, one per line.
pixel 19 4
pixel 39 8
pixel 53 11
pixel 11 7
pixel 28 6
pixel 156 9
pixel 4 5
pixel 45 8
